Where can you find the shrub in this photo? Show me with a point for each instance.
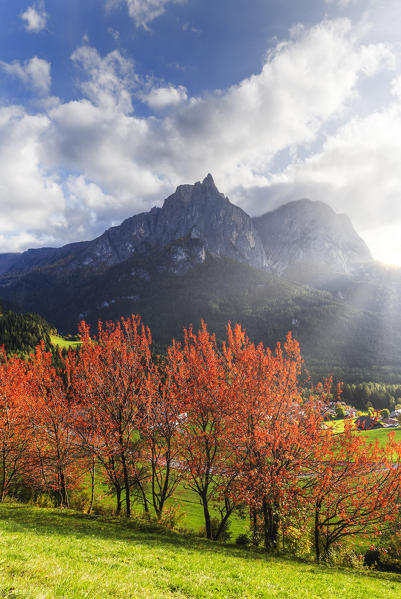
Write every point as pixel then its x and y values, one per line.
pixel 372 558
pixel 340 412
pixel 297 541
pixel 171 517
pixel 225 534
pixel 242 540
pixel 79 500
pixel 345 556
pixel 390 554
pixel 102 509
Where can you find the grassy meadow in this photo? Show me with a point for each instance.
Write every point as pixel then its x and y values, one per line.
pixel 46 553
pixel 381 434
pixel 62 343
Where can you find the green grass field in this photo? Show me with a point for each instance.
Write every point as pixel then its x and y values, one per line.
pixel 184 500
pixel 63 343
pixel 46 553
pixel 381 434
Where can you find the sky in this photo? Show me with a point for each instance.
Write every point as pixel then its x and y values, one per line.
pixel 107 105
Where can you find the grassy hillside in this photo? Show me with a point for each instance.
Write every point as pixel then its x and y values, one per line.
pixel 62 343
pixel 51 553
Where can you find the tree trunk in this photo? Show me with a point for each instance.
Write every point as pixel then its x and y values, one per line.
pixel 228 510
pixel 118 499
pixel 3 476
pixel 317 536
pixel 63 489
pixel 254 525
pixel 206 513
pixel 143 493
pixel 270 525
pixel 126 484
pixel 92 486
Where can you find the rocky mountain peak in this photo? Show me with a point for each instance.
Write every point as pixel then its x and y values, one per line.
pixel 310 235
pixel 200 191
pixel 208 183
pixel 201 211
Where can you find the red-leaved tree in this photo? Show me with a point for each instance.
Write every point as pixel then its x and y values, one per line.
pixel 14 433
pixel 113 392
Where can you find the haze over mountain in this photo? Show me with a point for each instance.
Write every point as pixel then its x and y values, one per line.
pixel 310 236
pixel 200 256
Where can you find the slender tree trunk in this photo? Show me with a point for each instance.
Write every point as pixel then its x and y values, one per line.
pixel 266 525
pixel 126 482
pixel 92 485
pixel 254 525
pixel 143 493
pixel 42 470
pixel 159 495
pixel 317 535
pixel 206 513
pixel 227 513
pixel 3 476
pixel 274 518
pixel 63 489
pixel 114 480
pixel 118 499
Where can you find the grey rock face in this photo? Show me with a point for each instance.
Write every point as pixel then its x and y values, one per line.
pixel 306 234
pixel 200 211
pixel 197 211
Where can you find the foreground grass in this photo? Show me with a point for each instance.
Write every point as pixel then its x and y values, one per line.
pixel 48 553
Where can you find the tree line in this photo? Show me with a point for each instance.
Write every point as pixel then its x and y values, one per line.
pixel 379 396
pixel 236 423
pixel 21 333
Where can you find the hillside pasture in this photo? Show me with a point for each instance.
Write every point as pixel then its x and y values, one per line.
pixel 48 553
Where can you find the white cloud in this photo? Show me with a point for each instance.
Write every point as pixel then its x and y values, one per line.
pixel 342 3
pixel 143 12
pixel 34 73
pixel 396 86
pixel 303 84
pixel 191 28
pixel 109 81
pixel 31 197
pixel 35 17
pixel 357 172
pixel 123 163
pixel 162 97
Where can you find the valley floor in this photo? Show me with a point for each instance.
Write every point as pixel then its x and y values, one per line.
pixel 46 553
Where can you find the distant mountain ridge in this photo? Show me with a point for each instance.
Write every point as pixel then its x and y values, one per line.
pixel 310 235
pixel 300 233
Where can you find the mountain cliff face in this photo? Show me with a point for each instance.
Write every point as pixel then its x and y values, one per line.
pixel 305 238
pixel 196 211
